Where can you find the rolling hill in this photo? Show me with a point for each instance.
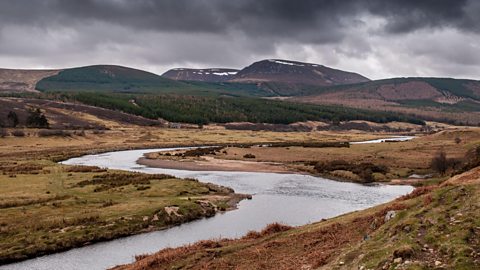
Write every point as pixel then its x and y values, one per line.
pixel 108 78
pixel 455 101
pixel 441 99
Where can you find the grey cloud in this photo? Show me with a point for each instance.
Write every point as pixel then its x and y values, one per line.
pixel 232 33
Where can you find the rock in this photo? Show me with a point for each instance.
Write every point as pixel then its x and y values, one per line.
pixel 341 263
pixel 390 214
pixel 361 268
pixel 404 252
pixel 145 218
pixel 438 263
pixel 397 260
pixel 407 262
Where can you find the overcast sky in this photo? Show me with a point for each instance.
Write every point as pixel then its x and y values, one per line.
pixel 377 38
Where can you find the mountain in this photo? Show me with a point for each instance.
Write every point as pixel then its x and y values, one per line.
pixel 455 100
pixel 283 73
pixel 106 78
pixel 18 80
pixel 203 75
pixel 109 78
pixel 292 72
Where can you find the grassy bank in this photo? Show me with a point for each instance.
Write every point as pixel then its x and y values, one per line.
pixel 47 207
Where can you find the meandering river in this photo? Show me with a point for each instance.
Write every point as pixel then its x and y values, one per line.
pixel 287 198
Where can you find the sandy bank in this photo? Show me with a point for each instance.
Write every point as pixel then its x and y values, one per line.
pixel 213 164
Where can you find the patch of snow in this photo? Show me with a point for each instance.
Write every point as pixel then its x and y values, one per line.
pixel 286 63
pixel 222 73
pixel 232 72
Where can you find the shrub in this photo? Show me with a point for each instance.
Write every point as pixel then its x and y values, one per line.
pixel 3 133
pixel 37 119
pixel 439 162
pixel 98 131
pixel 202 151
pixel 18 133
pixel 57 132
pixel 249 156
pixel 79 133
pixel 81 169
pixel 12 118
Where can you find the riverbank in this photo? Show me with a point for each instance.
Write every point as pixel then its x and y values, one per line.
pixel 396 162
pixel 47 208
pixel 433 227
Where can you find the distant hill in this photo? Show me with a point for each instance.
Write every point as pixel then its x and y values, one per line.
pixel 436 98
pixel 107 78
pixel 203 75
pixel 19 80
pixel 292 72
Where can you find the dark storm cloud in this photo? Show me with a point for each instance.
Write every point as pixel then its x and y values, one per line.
pixel 156 34
pixel 319 18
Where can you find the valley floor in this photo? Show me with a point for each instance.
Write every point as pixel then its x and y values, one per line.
pixel 47 207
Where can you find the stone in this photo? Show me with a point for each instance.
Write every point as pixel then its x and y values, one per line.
pixel 390 214
pixel 438 263
pixel 397 260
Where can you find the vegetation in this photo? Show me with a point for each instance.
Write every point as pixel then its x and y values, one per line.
pixel 363 170
pixel 12 119
pixel 36 119
pixel 203 110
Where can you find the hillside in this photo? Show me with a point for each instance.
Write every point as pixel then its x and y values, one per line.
pixel 18 80
pixel 444 99
pixel 205 109
pixel 65 115
pixel 292 72
pixel 108 78
pixel 203 75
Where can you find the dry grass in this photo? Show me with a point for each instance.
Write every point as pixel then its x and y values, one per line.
pixel 401 158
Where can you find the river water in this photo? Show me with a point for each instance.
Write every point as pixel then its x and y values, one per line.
pixel 287 198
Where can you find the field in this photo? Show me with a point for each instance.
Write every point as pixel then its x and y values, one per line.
pixel 400 159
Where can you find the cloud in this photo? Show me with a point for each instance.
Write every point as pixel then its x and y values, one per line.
pixel 377 38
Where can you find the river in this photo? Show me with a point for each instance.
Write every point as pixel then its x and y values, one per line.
pixel 287 198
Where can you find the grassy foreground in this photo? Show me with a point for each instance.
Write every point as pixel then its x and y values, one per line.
pixel 434 227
